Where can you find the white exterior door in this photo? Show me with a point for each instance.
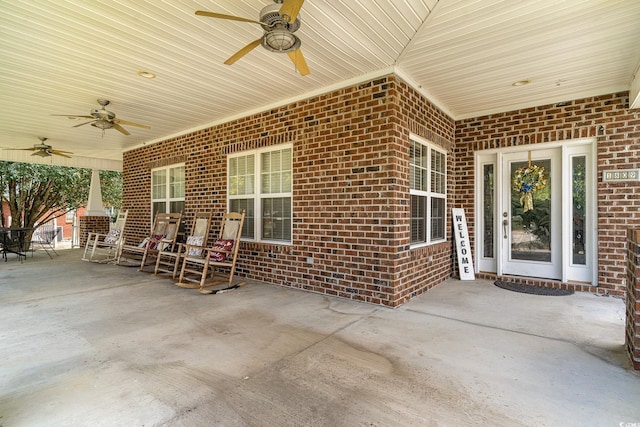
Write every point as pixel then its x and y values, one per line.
pixel 544 232
pixel 531 227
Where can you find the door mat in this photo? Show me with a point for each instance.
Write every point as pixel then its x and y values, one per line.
pixel 532 289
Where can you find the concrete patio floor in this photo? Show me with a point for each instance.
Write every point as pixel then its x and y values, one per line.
pixel 99 345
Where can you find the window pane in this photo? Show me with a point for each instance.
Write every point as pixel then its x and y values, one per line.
pixel 530 218
pixel 176 206
pixel 159 207
pixel 159 184
pixel 276 172
pixel 488 216
pixel 438 168
pixel 418 161
pixel 578 168
pixel 437 218
pixel 241 175
pixel 418 219
pixel 276 219
pixel 176 182
pixel 285 173
pixel 233 176
pixel 237 205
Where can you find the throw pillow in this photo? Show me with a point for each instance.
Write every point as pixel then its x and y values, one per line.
pixel 112 237
pixel 196 241
pixel 223 245
pixel 154 241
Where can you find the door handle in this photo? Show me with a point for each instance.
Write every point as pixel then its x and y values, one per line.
pixel 505 227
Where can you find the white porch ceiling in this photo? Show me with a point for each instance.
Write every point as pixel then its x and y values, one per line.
pixel 59 57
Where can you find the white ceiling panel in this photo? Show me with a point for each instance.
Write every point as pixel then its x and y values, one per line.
pixel 60 56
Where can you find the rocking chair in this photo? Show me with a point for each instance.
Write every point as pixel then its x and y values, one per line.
pixel 222 256
pixel 168 261
pixel 162 237
pixel 105 248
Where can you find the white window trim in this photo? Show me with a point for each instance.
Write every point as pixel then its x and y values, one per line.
pixel 257 196
pixel 429 194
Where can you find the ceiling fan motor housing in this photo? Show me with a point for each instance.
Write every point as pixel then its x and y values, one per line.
pixel 102 114
pixel 270 15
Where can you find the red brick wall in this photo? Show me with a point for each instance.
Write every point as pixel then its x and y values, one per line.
pixel 632 336
pixel 618 147
pixel 350 193
pixel 92 224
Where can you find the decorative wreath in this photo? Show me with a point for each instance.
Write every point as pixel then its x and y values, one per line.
pixel 526 181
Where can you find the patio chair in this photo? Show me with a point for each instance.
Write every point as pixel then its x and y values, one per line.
pixel 105 248
pixel 13 242
pixel 163 236
pixel 168 261
pixel 219 258
pixel 44 236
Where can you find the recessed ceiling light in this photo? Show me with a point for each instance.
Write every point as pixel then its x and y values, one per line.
pixel 146 74
pixel 521 83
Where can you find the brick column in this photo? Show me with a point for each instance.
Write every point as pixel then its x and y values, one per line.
pixel 92 224
pixel 633 298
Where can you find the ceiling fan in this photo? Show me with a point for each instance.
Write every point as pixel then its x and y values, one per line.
pixel 44 150
pixel 104 119
pixel 279 21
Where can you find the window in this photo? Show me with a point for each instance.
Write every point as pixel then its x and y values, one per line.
pixel 428 192
pixel 167 189
pixel 69 216
pixel 260 183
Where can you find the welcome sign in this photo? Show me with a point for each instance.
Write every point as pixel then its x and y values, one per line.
pixel 461 232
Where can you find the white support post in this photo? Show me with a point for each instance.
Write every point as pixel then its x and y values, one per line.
pixel 94 204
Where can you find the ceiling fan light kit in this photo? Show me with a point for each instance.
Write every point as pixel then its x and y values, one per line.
pixel 41 153
pixel 279 21
pixel 280 41
pixel 102 124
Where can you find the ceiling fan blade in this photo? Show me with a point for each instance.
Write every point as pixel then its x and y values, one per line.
pixel 290 9
pixel 61 153
pixel 85 123
pixel 120 129
pixel 73 116
pixel 242 52
pixel 127 123
pixel 229 17
pixel 299 62
pixel 24 149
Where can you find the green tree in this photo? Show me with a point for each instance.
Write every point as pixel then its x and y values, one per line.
pixel 111 184
pixel 38 193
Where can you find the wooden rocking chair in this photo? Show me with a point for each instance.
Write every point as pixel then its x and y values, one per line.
pixel 222 256
pixel 105 248
pixel 168 261
pixel 162 237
